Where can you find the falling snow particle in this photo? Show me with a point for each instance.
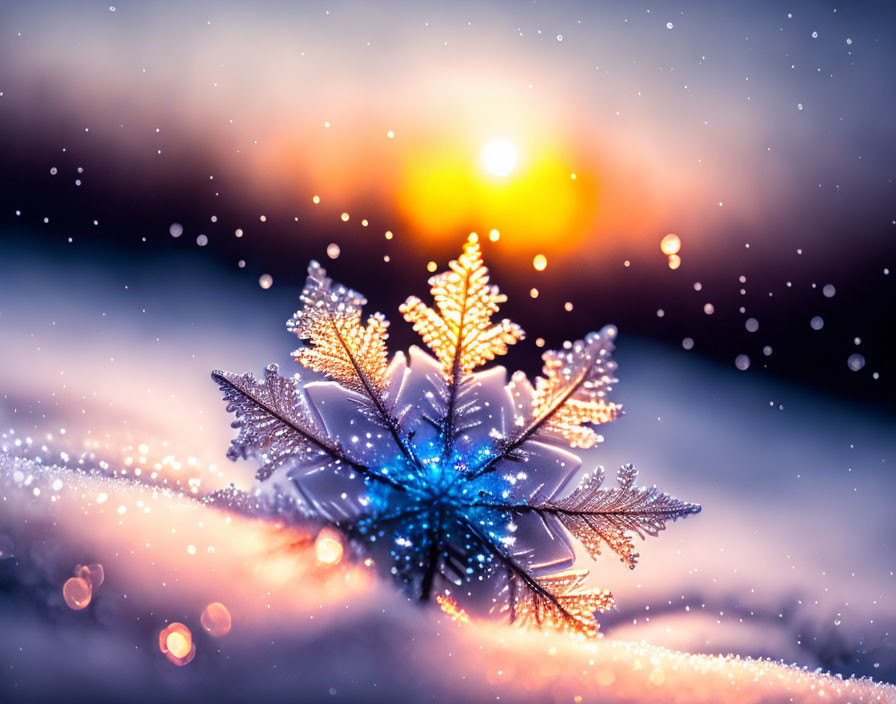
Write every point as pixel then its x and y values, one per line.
pixel 817 323
pixel 333 250
pixel 709 309
pixel 265 281
pixel 202 240
pixel 176 229
pixel 829 291
pixel 742 362
pixel 688 343
pixel 752 325
pixel 669 25
pixel 767 351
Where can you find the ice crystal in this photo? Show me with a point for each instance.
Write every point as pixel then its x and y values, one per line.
pixel 452 478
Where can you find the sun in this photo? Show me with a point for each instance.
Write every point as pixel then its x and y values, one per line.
pixel 498 157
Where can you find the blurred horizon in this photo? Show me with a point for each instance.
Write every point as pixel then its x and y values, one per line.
pixel 758 135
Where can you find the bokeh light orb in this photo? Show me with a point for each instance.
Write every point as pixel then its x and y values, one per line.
pixel 499 157
pixel 95 574
pixel 670 244
pixel 176 642
pixel 77 592
pixel 674 261
pixel 856 362
pixel 540 262
pixel 178 645
pixel 328 548
pixel 216 619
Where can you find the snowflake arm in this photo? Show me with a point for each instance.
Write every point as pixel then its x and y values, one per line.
pixel 276 425
pixel 433 555
pixel 339 346
pixel 554 601
pixel 459 331
pixel 597 515
pixel 566 400
pixel 336 343
pixel 557 602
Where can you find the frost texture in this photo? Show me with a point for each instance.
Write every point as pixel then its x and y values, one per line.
pixel 453 479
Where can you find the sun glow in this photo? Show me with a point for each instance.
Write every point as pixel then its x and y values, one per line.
pixel 537 207
pixel 498 157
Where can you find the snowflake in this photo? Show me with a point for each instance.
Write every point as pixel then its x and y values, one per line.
pixel 452 477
